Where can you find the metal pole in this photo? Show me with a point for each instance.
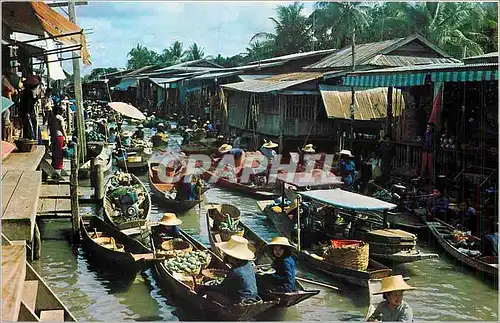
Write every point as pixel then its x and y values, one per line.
pixel 80 126
pixel 353 51
pixel 281 123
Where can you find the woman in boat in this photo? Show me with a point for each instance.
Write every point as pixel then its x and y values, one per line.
pixel 168 227
pixel 267 150
pixel 139 133
pixel 112 135
pixel 187 136
pixel 307 151
pixel 237 153
pixel 393 308
pixel 240 284
pixel 127 141
pixel 283 280
pixel 346 167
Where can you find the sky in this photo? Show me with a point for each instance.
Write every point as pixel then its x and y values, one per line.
pixel 115 27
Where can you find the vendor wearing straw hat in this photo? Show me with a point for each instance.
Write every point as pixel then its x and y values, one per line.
pixel 168 226
pixel 139 133
pixel 238 154
pixel 307 150
pixel 268 149
pixel 240 284
pixel 347 166
pixel 283 280
pixel 195 124
pixel 126 141
pixel 393 308
pixel 160 128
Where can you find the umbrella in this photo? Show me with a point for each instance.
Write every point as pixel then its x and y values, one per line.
pixel 6 103
pixel 127 110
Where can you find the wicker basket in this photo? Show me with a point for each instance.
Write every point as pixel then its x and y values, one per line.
pixel 212 273
pixel 26 145
pixel 226 235
pixel 180 246
pixel 350 256
pixel 188 279
pixel 109 243
pixel 219 213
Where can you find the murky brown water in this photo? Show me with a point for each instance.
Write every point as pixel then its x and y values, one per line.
pixel 446 291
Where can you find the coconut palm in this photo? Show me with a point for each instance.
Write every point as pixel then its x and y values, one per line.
pixel 259 50
pixel 292 32
pixel 173 55
pixel 141 56
pixel 195 52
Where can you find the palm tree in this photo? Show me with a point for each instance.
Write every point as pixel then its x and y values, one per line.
pixel 292 32
pixel 174 54
pixel 195 52
pixel 141 56
pixel 259 50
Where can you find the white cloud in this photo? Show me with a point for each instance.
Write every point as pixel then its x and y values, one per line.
pixel 219 27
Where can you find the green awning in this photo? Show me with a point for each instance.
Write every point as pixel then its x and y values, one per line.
pixel 125 84
pixel 465 76
pixel 383 80
pixel 6 103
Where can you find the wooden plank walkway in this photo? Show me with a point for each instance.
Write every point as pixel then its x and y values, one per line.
pixel 13 275
pixel 23 161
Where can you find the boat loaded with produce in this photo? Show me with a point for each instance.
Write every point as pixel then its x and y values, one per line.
pixel 224 220
pixel 196 265
pixel 126 201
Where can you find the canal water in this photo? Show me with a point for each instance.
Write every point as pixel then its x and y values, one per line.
pixel 445 290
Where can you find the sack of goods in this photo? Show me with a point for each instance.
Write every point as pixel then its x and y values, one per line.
pixel 351 254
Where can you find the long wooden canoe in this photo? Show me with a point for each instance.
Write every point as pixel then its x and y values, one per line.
pixel 485 265
pixel 159 189
pixel 96 234
pixel 115 216
pixel 250 191
pixel 132 166
pixel 263 257
pixel 196 303
pixel 105 155
pixel 40 300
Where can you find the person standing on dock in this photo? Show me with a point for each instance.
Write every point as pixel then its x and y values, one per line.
pixel 428 151
pixel 47 106
pixel 393 308
pixel 58 137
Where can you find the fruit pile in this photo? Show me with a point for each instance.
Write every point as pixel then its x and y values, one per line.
pixel 459 236
pixel 189 263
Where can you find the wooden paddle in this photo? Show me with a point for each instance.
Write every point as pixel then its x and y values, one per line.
pixel 316 283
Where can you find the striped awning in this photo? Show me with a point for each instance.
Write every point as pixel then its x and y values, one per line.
pixel 465 76
pixel 378 80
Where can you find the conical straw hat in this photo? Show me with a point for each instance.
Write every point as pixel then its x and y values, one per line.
pixel 237 247
pixel 281 241
pixel 346 152
pixel 270 144
pixel 225 148
pixel 393 283
pixel 170 220
pixel 308 148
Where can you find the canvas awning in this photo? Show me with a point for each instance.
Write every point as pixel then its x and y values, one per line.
pixel 126 83
pixel 348 200
pixel 465 76
pixel 370 104
pixel 36 18
pixel 400 80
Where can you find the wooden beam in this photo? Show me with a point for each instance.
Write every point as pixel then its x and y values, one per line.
pixel 65 4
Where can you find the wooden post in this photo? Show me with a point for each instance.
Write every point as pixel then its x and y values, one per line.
pixel 92 172
pixel 388 125
pixel 73 188
pixel 298 221
pixel 99 182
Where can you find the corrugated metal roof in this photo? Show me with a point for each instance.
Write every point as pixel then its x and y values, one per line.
pixel 273 83
pixel 139 70
pixel 253 77
pixel 365 53
pixel 188 65
pixel 296 56
pixel 369 104
pixel 214 75
pixel 486 58
pixel 160 81
pixel 400 60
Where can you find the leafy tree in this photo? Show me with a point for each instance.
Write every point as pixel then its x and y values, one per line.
pixel 175 54
pixel 195 52
pixel 259 51
pixel 292 32
pixel 141 56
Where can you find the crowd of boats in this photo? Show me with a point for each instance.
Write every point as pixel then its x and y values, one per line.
pixel 345 235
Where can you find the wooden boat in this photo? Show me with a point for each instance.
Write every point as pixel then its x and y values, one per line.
pixel 94 148
pixel 197 303
pixel 198 149
pixel 485 265
pixel 39 302
pixel 160 191
pixel 116 217
pixel 159 141
pixel 373 287
pixel 263 257
pixel 134 162
pixel 248 190
pixel 112 246
pixel 105 156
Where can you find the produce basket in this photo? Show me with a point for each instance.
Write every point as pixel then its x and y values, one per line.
pixel 211 273
pixel 109 243
pixel 226 235
pixel 26 145
pixel 220 213
pixel 353 255
pixel 188 279
pixel 176 247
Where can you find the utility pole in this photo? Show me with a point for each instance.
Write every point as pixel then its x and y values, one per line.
pixel 80 126
pixel 353 49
